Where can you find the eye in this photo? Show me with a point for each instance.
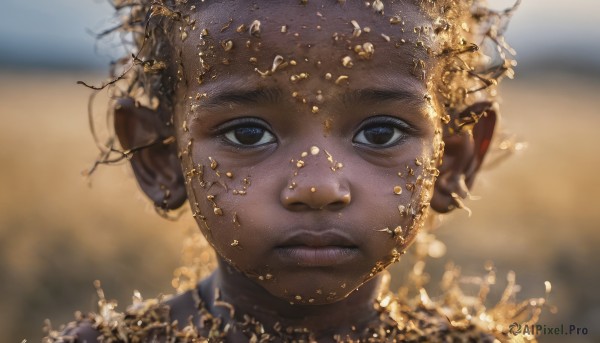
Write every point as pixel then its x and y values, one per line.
pixel 381 132
pixel 249 135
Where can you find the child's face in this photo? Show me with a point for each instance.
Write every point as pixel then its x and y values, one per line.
pixel 311 179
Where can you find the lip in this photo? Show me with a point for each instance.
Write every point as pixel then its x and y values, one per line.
pixel 323 249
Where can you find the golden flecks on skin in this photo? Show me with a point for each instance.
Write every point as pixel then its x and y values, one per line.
pixel 235 219
pixel 397 190
pixel 254 29
pixel 227 25
pixel 304 154
pixel 252 60
pixel 227 45
pixel 327 125
pixel 395 20
pixel 300 164
pixel 335 165
pixel 313 189
pixel 365 51
pixel 241 28
pixel 278 63
pixel 319 98
pixel 263 73
pixel 315 109
pixel 329 156
pixel 328 76
pixel 299 77
pixel 235 243
pixel 319 291
pixel 229 174
pixel 385 37
pixel 314 150
pixel 347 62
pixel 401 42
pixel 356 31
pixel 378 6
pixel 428 98
pixel 213 163
pixel 284 29
pixel 341 79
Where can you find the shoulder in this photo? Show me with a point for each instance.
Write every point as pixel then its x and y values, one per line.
pixel 80 331
pixel 149 320
pixel 430 323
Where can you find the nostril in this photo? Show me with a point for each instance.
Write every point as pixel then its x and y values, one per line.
pixel 316 196
pixel 335 206
pixel 298 206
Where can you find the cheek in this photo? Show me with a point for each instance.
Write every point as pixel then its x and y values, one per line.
pixel 232 209
pixel 400 194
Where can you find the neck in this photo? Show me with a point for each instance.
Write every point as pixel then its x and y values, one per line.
pixel 352 314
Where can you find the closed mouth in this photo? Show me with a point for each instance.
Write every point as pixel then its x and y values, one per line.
pixel 318 239
pixel 321 249
pixel 305 256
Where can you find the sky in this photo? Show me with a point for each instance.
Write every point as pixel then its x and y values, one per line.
pixel 56 33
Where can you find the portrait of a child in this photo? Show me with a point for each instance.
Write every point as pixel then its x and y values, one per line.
pixel 313 144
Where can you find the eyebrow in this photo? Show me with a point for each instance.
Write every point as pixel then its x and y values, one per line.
pixel 244 97
pixel 274 95
pixel 374 95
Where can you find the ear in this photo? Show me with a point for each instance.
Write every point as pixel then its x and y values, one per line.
pixel 156 166
pixel 464 152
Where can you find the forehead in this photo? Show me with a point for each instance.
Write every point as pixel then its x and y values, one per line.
pixel 347 41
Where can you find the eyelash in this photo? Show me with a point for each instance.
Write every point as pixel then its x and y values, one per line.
pixel 400 127
pixel 223 130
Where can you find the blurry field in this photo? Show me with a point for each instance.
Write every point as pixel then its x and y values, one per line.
pixel 539 215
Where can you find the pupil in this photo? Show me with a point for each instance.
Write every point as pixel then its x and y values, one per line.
pixel 249 135
pixel 379 134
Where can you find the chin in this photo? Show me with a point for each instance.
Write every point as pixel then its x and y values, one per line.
pixel 313 289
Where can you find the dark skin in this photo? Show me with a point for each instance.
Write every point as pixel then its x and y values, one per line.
pixel 300 187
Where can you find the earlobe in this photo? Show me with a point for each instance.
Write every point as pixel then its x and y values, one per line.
pixel 156 166
pixel 464 152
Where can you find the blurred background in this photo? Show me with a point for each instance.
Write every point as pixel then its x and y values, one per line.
pixel 539 214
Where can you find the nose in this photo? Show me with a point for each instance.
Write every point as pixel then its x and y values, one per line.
pixel 316 186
